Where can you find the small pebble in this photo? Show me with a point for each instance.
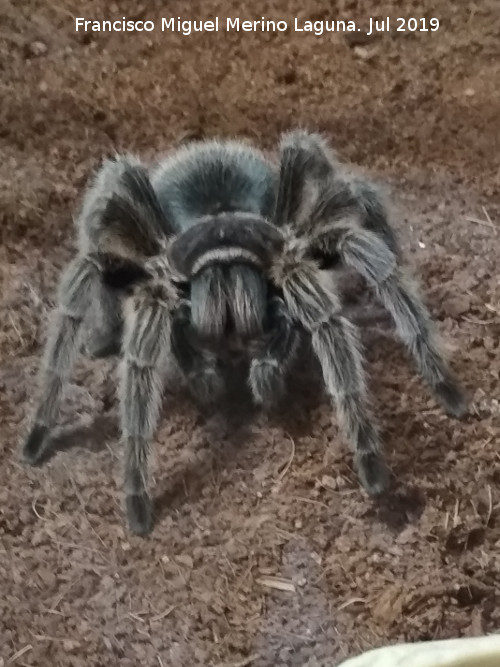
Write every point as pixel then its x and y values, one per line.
pixel 36 49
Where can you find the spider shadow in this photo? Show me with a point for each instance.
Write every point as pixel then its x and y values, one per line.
pixel 91 437
pixel 233 426
pixel 232 430
pixel 230 427
pixel 305 394
pixel 401 505
pixel 236 424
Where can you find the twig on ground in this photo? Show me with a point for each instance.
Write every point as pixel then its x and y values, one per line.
pixel 18 654
pixel 287 465
pixel 484 223
pixel 348 603
pixel 278 583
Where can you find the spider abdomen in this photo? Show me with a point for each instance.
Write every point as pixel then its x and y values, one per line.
pixel 211 178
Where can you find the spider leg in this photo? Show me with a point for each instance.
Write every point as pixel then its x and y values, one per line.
pixel 309 191
pixel 120 224
pixel 336 345
pixel 366 252
pixel 319 196
pixel 268 367
pixel 316 305
pixel 199 365
pixel 316 190
pixel 145 350
pixel 78 288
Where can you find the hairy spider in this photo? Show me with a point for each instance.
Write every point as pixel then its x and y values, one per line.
pixel 216 245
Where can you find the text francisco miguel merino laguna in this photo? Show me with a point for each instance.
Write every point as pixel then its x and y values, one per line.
pixel 188 26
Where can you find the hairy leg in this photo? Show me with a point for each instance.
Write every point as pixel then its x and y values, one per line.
pixel 269 366
pixel 116 211
pixel 336 345
pixel 78 288
pixel 309 192
pixel 316 190
pixel 145 349
pixel 315 304
pixel 372 258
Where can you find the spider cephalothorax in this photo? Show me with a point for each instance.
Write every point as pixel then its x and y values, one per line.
pixel 217 245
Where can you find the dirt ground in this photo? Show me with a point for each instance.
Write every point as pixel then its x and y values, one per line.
pixel 244 507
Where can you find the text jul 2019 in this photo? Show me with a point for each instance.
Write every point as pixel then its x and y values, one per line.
pixel 189 26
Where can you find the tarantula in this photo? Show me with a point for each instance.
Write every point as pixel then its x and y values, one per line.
pixel 215 245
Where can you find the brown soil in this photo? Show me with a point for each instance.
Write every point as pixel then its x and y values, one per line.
pixel 274 497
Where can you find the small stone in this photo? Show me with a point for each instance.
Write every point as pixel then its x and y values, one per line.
pixel 364 53
pixel 36 49
pixel 70 644
pixel 329 482
pixel 469 92
pixel 185 559
pixel 25 516
pixel 316 558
